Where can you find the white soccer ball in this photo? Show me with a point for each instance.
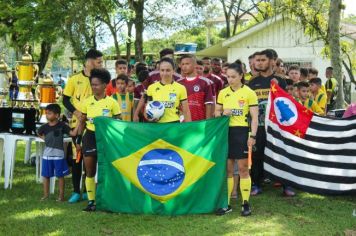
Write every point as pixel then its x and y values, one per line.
pixel 154 110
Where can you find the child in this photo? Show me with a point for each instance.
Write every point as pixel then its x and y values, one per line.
pixel 289 87
pixel 318 95
pixel 303 90
pixel 125 99
pixel 130 87
pixel 53 161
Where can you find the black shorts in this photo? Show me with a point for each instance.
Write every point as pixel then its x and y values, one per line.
pixel 89 143
pixel 261 141
pixel 238 142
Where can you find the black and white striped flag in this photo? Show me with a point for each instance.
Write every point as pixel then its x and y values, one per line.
pixel 320 158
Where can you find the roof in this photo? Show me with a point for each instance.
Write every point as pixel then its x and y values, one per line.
pixel 214 51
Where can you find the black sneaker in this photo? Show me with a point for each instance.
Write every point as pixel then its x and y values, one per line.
pixel 246 209
pixel 91 207
pixel 223 211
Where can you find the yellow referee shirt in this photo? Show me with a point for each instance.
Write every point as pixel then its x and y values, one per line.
pixel 239 102
pixel 171 95
pixel 104 107
pixel 78 88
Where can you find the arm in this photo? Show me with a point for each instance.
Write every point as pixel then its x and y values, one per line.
pixel 186 112
pixel 254 123
pixel 208 110
pixel 218 110
pixel 139 107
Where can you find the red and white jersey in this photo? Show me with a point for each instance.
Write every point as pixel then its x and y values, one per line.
pixel 139 91
pixel 199 91
pixel 218 83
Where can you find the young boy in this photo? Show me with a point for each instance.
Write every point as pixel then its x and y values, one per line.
pixel 130 86
pixel 53 161
pixel 123 97
pixel 289 87
pixel 303 90
pixel 318 95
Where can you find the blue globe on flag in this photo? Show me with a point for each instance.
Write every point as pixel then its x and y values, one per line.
pixel 161 171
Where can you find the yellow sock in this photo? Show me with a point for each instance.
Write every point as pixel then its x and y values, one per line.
pixel 245 188
pixel 91 187
pixel 230 186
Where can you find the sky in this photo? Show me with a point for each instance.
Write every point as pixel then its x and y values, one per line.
pixel 350 7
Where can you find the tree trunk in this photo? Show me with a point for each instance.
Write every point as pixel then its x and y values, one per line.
pixel 139 6
pixel 129 40
pixel 335 49
pixel 46 48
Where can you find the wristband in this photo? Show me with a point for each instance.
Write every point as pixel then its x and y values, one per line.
pixel 78 140
pixel 253 136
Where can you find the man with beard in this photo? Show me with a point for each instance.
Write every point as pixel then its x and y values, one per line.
pixel 218 83
pixel 216 69
pixel 261 85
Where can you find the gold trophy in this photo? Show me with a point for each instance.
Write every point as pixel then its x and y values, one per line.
pixel 4 82
pixel 47 92
pixel 26 72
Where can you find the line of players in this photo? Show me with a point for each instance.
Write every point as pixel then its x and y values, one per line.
pixel 201 90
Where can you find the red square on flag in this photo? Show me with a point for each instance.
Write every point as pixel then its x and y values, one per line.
pixel 287 113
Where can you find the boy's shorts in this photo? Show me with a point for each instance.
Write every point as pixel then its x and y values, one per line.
pixel 54 166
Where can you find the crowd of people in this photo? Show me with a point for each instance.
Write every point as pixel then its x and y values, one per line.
pixel 190 90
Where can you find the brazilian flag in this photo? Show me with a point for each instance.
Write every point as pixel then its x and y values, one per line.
pixel 167 169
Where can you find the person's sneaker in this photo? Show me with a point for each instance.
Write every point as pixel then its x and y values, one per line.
pixel 91 207
pixel 277 185
pixel 246 209
pixel 223 211
pixel 85 196
pixel 255 190
pixel 288 192
pixel 74 198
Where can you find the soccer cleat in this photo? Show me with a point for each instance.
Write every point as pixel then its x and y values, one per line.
pixel 267 181
pixel 255 190
pixel 246 209
pixel 277 184
pixel 85 196
pixel 74 198
pixel 288 191
pixel 223 211
pixel 91 207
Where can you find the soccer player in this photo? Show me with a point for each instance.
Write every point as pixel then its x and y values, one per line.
pixel 304 74
pixel 123 97
pixel 121 67
pixel 261 85
pixel 317 94
pixel 199 68
pixel 216 70
pixel 331 86
pixel 280 69
pixel 75 92
pixel 240 103
pixel 294 73
pixel 170 93
pixel 303 90
pixel 139 93
pixel 131 87
pixel 218 83
pixel 289 87
pixel 312 73
pixel 200 96
pixel 96 105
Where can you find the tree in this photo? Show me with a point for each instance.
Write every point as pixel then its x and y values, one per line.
pixel 335 49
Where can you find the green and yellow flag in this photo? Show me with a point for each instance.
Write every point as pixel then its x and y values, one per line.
pixel 168 169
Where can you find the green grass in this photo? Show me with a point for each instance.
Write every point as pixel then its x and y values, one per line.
pixel 21 213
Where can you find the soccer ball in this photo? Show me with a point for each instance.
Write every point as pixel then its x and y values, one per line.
pixel 154 110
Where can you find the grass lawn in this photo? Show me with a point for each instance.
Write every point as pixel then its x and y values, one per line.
pixel 21 213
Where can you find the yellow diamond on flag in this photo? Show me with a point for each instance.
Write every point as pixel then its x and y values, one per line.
pixel 162 170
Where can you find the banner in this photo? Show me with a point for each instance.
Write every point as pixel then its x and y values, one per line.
pixel 313 153
pixel 168 169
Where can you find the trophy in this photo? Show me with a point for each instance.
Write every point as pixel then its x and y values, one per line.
pixel 47 92
pixel 4 82
pixel 26 73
